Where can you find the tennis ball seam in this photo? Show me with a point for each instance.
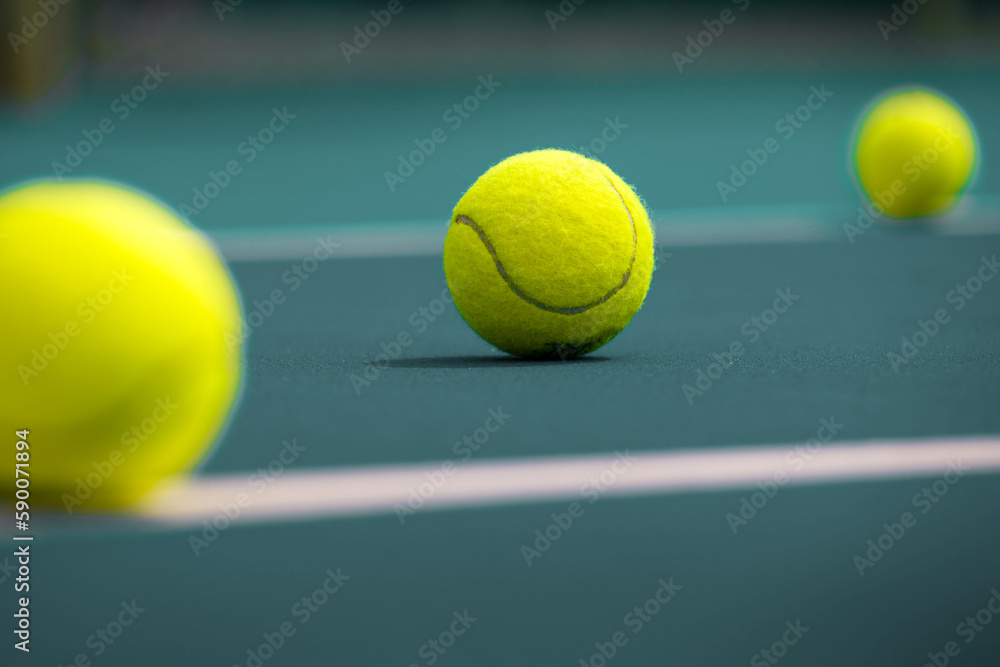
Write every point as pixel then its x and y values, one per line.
pixel 466 220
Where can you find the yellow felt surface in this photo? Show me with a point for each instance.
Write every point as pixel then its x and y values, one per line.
pixel 568 233
pixel 157 345
pixel 914 153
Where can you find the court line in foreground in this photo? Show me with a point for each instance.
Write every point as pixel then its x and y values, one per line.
pixel 674 228
pixel 375 490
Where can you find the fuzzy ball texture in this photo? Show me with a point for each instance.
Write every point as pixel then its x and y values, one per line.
pixel 549 255
pixel 914 153
pixel 120 343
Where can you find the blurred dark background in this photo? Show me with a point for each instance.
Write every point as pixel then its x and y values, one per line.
pixel 233 41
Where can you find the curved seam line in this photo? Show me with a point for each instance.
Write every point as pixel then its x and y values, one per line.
pixel 465 220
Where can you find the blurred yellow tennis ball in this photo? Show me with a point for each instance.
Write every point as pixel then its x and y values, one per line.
pixel 549 255
pixel 914 152
pixel 120 345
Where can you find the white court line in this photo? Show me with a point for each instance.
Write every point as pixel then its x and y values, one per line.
pixel 297 495
pixel 390 239
pixel 674 228
pixel 426 238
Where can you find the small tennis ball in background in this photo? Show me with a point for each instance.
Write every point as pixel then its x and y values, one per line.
pixel 914 152
pixel 549 255
pixel 120 345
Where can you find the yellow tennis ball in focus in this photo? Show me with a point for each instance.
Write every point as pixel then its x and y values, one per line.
pixel 549 255
pixel 120 345
pixel 914 153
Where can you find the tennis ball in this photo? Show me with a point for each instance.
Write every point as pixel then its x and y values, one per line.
pixel 120 343
pixel 549 255
pixel 914 152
